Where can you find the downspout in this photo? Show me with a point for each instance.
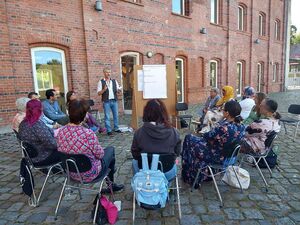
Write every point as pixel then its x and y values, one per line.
pixel 228 42
pixel 287 34
pixel 251 45
pixel 269 40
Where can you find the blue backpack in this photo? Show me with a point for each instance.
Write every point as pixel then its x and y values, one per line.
pixel 150 186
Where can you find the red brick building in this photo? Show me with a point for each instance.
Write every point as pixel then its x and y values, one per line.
pixel 66 44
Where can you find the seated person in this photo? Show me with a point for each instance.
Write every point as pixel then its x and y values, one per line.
pixel 257 132
pixel 212 117
pixel 211 102
pixel 49 123
pixel 198 152
pixel 52 109
pixel 19 117
pixel 33 131
pixel 89 121
pixel 76 139
pixel 247 101
pixel 156 136
pixel 255 112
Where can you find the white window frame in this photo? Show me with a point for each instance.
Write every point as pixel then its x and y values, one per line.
pixel 214 11
pixel 182 79
pixel 182 7
pixel 275 71
pixel 277 30
pixel 261 25
pixel 63 64
pixel 216 75
pixel 242 28
pixel 240 78
pixel 259 75
pixel 137 57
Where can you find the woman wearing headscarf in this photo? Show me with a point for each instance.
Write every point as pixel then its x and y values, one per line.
pixel 216 115
pixel 247 101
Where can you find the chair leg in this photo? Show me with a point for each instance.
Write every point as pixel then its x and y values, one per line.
pixel 216 186
pixel 196 178
pixel 99 194
pixel 133 208
pixel 178 198
pixel 267 164
pixel 260 172
pixel 44 184
pixel 236 176
pixel 60 197
pixel 296 131
pixel 285 127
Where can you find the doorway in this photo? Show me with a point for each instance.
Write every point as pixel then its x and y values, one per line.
pixel 128 60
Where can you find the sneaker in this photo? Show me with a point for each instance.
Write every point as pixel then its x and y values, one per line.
pixel 117 131
pixel 109 133
pixel 115 188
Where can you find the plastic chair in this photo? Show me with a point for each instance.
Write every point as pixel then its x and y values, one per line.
pixel 294 110
pixel 80 163
pixel 269 143
pixel 166 163
pixel 182 107
pixel 29 152
pixel 221 169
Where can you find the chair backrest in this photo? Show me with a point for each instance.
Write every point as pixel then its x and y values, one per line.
pixel 166 161
pixel 29 150
pixel 231 158
pixel 181 106
pixel 270 139
pixel 76 162
pixel 294 109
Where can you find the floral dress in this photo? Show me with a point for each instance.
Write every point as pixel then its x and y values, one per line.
pixel 198 152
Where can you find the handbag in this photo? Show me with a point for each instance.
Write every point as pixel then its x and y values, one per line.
pixel 101 217
pixel 231 179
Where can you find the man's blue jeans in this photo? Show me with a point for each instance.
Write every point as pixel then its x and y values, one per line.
pixel 169 174
pixel 113 106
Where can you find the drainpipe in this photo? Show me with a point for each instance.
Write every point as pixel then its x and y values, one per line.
pixel 287 28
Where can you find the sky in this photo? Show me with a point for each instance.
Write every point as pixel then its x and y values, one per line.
pixel 295 14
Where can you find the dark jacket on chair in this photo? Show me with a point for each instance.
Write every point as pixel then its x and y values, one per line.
pixel 158 139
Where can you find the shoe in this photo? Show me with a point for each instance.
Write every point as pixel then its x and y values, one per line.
pixel 109 133
pixel 117 131
pixel 115 188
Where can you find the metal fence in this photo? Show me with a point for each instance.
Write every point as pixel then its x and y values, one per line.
pixel 293 81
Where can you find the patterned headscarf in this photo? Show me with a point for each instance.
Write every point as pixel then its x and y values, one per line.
pixel 249 92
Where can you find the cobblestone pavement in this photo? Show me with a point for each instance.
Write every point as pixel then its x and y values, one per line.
pixel 280 205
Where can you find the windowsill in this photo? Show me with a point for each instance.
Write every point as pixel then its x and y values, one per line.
pixel 176 14
pixel 243 32
pixel 217 25
pixel 263 38
pixel 112 1
pixel 278 41
pixel 134 3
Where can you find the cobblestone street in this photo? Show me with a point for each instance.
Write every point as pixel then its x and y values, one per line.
pixel 280 205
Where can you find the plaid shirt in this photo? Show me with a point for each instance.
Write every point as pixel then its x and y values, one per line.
pixel 80 140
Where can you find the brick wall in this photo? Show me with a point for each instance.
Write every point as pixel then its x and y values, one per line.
pixel 92 40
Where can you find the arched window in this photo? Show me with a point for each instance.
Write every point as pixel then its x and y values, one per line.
pixel 242 17
pixel 49 71
pixel 260 76
pixel 180 75
pixel 181 7
pixel 213 73
pixel 262 24
pixel 275 72
pixel 215 11
pixel 277 29
pixel 239 78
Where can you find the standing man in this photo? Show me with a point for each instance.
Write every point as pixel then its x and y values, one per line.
pixel 52 110
pixel 109 88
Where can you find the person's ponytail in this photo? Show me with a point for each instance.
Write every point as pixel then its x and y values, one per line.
pixel 238 119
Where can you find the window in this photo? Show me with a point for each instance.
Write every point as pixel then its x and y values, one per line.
pixel 262 24
pixel 213 73
pixel 260 76
pixel 277 30
pixel 214 11
pixel 242 19
pixel 275 71
pixel 181 7
pixel 180 79
pixel 49 71
pixel 239 78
